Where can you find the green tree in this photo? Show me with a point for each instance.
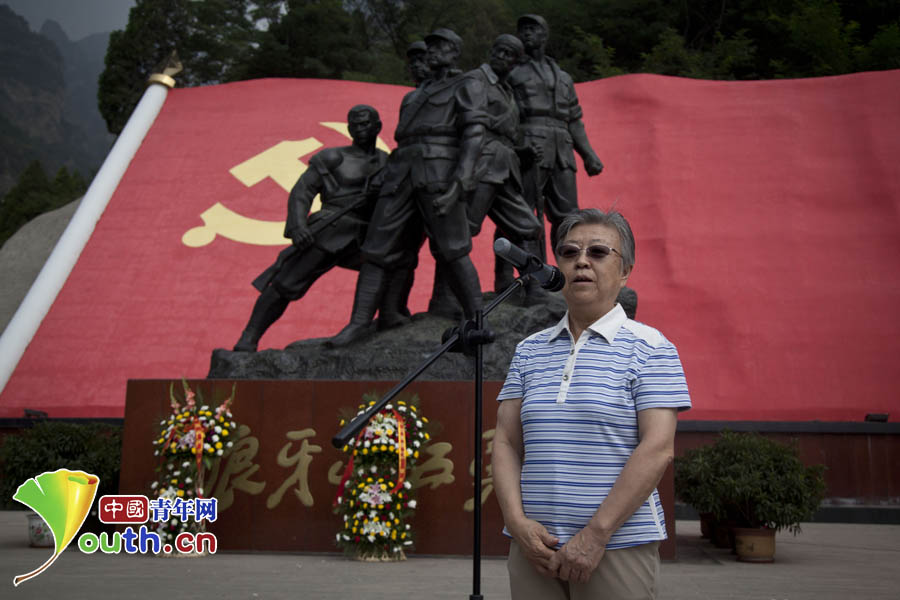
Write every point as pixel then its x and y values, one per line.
pixel 671 56
pixel 213 39
pixel 155 28
pixel 35 194
pixel 227 40
pixel 882 52
pixel 315 38
pixel 820 40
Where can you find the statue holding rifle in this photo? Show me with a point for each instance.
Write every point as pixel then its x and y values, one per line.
pixel 346 178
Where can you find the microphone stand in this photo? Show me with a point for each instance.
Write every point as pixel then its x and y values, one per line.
pixel 468 338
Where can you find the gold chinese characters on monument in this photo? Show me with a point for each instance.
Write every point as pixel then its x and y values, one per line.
pixel 238 470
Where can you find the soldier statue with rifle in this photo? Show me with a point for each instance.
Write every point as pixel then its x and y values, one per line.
pixel 346 178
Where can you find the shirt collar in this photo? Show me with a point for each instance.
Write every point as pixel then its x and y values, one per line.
pixel 491 74
pixel 607 326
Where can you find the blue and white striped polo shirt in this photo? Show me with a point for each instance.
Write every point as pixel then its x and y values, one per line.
pixel 579 418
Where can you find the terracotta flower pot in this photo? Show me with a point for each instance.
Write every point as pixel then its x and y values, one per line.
pixel 754 544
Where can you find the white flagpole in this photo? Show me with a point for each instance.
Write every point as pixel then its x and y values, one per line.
pixel 25 322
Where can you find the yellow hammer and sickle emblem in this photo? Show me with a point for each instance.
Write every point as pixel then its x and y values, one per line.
pixel 282 164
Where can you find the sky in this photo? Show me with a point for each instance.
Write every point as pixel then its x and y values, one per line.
pixel 78 18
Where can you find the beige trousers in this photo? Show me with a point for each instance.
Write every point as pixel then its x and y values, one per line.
pixel 625 574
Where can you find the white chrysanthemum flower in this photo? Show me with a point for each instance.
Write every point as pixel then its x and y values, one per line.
pixel 220 452
pixel 154 485
pixel 374 469
pixel 188 480
pixel 407 484
pixel 412 504
pixel 218 429
pixel 215 438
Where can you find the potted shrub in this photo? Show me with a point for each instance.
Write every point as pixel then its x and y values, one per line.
pixel 693 474
pixel 50 445
pixel 754 484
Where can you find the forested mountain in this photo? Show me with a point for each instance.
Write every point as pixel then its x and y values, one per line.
pixel 48 99
pixel 83 63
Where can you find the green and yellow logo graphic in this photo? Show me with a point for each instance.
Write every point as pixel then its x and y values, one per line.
pixel 62 498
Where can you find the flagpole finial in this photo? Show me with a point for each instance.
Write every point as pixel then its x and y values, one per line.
pixel 166 69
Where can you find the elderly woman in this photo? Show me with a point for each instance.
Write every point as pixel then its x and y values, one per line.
pixel 585 430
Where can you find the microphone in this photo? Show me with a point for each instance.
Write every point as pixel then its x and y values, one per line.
pixel 548 276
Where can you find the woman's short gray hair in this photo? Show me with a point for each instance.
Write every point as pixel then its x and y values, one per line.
pixel 595 216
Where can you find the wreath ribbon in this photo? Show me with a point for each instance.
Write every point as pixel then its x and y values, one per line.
pixel 401 447
pixel 199 436
pixel 347 472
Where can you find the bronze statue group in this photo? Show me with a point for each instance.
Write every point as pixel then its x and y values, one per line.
pixel 496 141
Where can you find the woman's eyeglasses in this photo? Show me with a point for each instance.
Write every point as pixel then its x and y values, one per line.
pixel 594 251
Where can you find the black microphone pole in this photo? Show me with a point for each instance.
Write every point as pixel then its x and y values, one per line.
pixel 470 337
pixel 476 495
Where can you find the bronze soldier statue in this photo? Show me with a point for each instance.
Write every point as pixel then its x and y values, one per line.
pixel 551 118
pixel 394 310
pixel 499 190
pixel 442 302
pixel 439 137
pixel 346 180
pixel 417 62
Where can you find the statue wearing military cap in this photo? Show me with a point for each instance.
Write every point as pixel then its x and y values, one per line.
pixel 551 118
pixel 416 62
pixel 439 137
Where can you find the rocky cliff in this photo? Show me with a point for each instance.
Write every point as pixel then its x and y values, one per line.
pixel 48 88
